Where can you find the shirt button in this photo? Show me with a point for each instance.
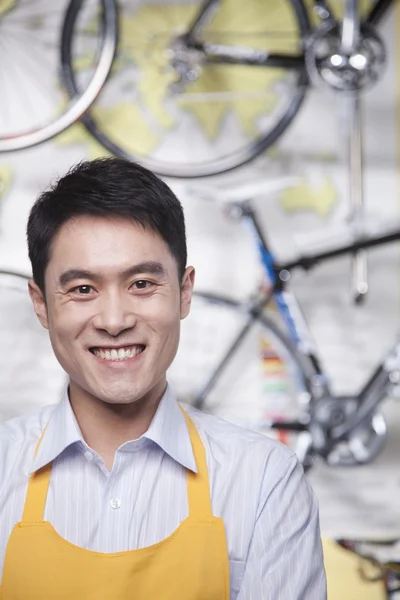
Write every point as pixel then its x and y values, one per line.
pixel 115 502
pixel 88 455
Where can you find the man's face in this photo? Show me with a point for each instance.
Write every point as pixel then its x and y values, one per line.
pixel 113 307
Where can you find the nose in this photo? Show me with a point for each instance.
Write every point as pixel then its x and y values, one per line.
pixel 115 314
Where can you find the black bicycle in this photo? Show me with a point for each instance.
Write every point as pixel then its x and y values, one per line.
pixel 285 388
pixel 202 87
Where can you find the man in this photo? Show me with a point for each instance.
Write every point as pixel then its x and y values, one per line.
pixel 117 492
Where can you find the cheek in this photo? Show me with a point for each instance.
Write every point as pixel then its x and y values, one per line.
pixel 164 325
pixel 65 323
pixel 160 312
pixel 164 320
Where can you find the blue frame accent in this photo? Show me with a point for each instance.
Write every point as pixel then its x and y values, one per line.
pixel 268 261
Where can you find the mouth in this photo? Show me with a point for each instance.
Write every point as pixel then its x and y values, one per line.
pixel 117 354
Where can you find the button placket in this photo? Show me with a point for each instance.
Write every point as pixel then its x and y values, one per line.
pixel 115 501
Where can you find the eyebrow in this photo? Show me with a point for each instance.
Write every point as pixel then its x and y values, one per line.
pixel 151 267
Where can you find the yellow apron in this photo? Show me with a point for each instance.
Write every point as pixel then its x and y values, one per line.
pixel 190 564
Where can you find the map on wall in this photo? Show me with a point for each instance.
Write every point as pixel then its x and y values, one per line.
pixel 320 198
pixel 5 180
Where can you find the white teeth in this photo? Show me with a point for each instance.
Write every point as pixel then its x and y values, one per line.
pixel 120 354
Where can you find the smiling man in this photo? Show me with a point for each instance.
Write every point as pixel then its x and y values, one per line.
pixel 118 492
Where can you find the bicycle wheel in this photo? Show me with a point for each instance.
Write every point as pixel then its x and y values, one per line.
pixel 266 379
pixel 33 105
pixel 227 115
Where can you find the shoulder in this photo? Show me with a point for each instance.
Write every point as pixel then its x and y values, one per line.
pixel 234 446
pixel 25 427
pixel 250 475
pixel 17 439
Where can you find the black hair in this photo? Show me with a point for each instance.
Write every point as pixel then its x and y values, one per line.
pixel 105 187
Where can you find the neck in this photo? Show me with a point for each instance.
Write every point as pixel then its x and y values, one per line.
pixel 105 426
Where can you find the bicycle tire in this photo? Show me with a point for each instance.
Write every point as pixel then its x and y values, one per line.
pixel 243 392
pixel 212 167
pixel 79 102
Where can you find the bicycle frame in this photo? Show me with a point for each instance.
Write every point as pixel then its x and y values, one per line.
pixel 220 53
pixel 297 329
pixel 286 302
pixel 385 375
pixel 330 419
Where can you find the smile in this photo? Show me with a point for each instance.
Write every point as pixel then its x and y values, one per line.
pixel 118 354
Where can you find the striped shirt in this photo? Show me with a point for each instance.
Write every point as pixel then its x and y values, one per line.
pixel 257 487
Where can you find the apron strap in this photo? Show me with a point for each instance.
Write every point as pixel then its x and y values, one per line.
pixel 199 498
pixel 36 495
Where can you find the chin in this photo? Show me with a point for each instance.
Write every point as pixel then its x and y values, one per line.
pixel 121 398
pixel 127 396
pixel 125 392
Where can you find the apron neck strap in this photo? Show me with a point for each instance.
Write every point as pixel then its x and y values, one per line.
pixel 37 492
pixel 199 498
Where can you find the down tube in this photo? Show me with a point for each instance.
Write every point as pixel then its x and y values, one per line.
pixel 292 315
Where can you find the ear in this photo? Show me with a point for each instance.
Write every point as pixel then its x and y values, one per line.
pixel 187 291
pixel 39 303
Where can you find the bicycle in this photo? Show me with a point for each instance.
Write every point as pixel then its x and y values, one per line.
pixel 343 430
pixel 378 562
pixel 205 87
pixel 34 106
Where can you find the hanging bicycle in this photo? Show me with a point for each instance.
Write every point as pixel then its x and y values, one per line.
pixel 203 87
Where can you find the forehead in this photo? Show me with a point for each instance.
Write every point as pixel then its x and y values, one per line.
pixel 106 243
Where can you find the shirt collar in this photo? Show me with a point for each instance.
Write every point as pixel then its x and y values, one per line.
pixel 61 431
pixel 168 430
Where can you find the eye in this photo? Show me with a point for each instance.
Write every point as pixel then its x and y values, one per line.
pixel 142 284
pixel 83 290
